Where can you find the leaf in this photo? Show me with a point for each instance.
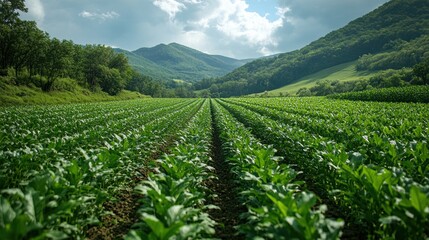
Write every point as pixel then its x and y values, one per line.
pixel 74 171
pixel 30 206
pixel 14 191
pixel 419 200
pixel 174 213
pixel 283 208
pixel 7 214
pixel 390 220
pixel 174 229
pixel 132 235
pixel 188 231
pixel 376 179
pixel 20 227
pixel 155 225
pixel 292 221
pixel 308 200
pixel 356 159
pixel 56 235
pixel 84 153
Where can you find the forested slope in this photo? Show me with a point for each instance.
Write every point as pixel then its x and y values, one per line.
pixel 393 29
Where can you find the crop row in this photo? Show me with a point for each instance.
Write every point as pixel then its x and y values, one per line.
pixel 173 203
pixel 277 208
pixel 49 124
pixel 374 141
pixel 340 110
pixel 385 201
pixel 397 94
pixel 56 188
pixel 404 117
pixel 27 148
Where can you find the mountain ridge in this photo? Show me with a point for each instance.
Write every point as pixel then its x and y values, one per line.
pixel 176 61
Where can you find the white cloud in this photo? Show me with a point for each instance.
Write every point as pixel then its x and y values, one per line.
pixel 36 10
pixel 228 19
pixel 194 1
pixel 99 16
pixel 236 22
pixel 196 39
pixel 265 51
pixel 171 7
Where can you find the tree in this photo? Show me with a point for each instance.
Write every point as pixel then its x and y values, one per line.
pixel 76 69
pixel 9 11
pixel 214 90
pixel 303 92
pixel 5 47
pixel 421 70
pixel 57 60
pixel 9 16
pixel 95 57
pixel 111 80
pixel 323 88
pixel 205 93
pixel 137 82
pixel 120 62
pixel 106 69
pixel 28 47
pixel 40 41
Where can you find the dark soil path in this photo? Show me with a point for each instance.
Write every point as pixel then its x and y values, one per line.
pixel 230 208
pixel 125 208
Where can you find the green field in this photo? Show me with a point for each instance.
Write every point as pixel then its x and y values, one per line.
pixel 342 72
pixel 277 168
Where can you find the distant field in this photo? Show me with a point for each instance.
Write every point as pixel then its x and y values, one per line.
pixel 342 72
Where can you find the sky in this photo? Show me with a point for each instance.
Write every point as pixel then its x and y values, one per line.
pixel 234 28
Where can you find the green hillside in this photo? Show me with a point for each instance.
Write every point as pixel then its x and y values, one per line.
pixel 64 91
pixel 341 72
pixel 175 61
pixel 216 61
pixel 147 67
pixel 397 26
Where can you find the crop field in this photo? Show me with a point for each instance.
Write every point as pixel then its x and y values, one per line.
pixel 236 168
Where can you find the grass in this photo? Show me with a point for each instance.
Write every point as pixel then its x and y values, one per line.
pixel 342 72
pixel 11 94
pixel 181 82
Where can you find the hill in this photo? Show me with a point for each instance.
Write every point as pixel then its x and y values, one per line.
pixel 175 61
pixel 145 66
pixel 376 40
pixel 64 91
pixel 344 72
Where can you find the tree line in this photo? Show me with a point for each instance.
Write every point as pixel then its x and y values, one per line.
pixel 31 56
pixel 418 75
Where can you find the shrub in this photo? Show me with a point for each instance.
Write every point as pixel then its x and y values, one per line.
pixel 398 94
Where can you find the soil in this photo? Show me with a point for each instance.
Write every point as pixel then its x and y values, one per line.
pixel 125 208
pixel 124 216
pixel 227 200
